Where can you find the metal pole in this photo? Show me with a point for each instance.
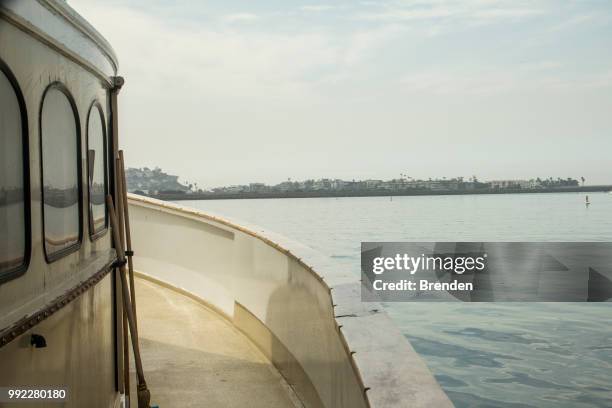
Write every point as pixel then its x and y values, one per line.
pixel 128 235
pixel 144 396
pixel 123 359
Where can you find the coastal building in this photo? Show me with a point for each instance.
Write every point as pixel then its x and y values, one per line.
pixel 153 181
pixel 322 184
pixel 372 184
pixel 497 184
pixel 257 188
pixel 338 184
pixel 286 186
pixel 535 183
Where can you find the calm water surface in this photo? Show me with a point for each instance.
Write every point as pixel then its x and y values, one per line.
pixel 484 355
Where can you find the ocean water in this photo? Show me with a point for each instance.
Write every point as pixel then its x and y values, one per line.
pixel 506 355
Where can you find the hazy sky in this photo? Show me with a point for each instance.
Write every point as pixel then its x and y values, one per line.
pixel 230 92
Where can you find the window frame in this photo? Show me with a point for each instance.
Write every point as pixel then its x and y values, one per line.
pixel 93 236
pixel 50 258
pixel 18 271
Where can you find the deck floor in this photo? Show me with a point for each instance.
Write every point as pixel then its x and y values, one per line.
pixel 192 357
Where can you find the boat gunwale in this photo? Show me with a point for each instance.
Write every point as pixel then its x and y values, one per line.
pixel 197 215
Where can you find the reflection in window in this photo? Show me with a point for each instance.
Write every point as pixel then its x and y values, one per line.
pixel 96 158
pixel 60 173
pixel 13 235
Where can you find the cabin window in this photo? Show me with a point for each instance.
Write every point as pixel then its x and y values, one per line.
pixel 97 176
pixel 14 182
pixel 60 156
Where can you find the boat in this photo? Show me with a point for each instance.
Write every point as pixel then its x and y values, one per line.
pixel 116 300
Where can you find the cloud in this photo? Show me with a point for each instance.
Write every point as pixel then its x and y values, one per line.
pixel 576 20
pixel 317 7
pixel 540 66
pixel 439 10
pixel 363 44
pixel 445 82
pixel 596 81
pixel 536 76
pixel 240 17
pixel 215 59
pixel 496 13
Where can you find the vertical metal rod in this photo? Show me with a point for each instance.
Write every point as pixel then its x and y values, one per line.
pixel 119 201
pixel 121 229
pixel 121 232
pixel 126 331
pixel 122 324
pixel 128 235
pixel 144 395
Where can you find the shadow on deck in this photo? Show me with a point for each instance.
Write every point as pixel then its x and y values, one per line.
pixel 193 357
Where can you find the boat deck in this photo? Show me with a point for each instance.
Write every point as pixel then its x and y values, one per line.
pixel 193 357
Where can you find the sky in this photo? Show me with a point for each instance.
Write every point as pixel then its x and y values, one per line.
pixel 231 92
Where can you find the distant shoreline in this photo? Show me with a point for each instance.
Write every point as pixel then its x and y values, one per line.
pixel 373 193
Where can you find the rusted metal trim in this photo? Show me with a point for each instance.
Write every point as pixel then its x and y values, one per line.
pixel 11 333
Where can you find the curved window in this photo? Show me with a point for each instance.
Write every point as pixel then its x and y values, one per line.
pixel 96 164
pixel 14 182
pixel 60 159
